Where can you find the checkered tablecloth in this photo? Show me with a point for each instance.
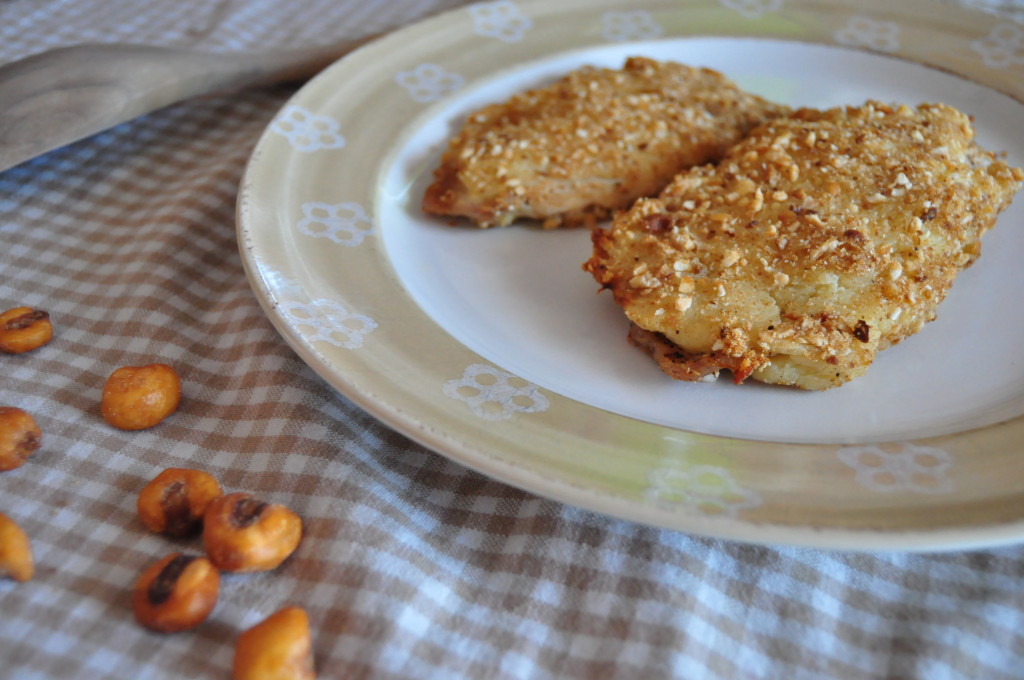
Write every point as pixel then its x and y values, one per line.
pixel 411 566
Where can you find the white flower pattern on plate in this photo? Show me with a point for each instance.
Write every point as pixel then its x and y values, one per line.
pixel 1002 47
pixel 753 9
pixel 707 489
pixel 307 131
pixel 900 467
pixel 501 19
pixel 882 36
pixel 635 25
pixel 494 394
pixel 346 224
pixel 429 82
pixel 328 321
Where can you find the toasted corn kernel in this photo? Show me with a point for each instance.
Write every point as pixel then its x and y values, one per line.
pixel 19 437
pixel 15 551
pixel 278 648
pixel 137 397
pixel 243 533
pixel 174 502
pixel 23 329
pixel 176 593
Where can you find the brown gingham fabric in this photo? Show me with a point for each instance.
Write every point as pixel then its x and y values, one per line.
pixel 411 566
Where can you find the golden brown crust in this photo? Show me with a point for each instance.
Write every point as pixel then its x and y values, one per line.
pixel 818 240
pixel 591 143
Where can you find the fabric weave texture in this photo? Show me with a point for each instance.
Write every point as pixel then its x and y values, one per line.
pixel 411 566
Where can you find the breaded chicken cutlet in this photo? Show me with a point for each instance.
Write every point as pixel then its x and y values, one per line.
pixel 820 239
pixel 591 143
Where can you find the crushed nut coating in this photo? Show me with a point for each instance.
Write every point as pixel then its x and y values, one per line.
pixel 590 143
pixel 801 277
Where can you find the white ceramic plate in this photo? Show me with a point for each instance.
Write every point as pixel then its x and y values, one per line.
pixel 493 348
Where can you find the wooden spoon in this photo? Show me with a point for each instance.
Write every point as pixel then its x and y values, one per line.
pixel 63 95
